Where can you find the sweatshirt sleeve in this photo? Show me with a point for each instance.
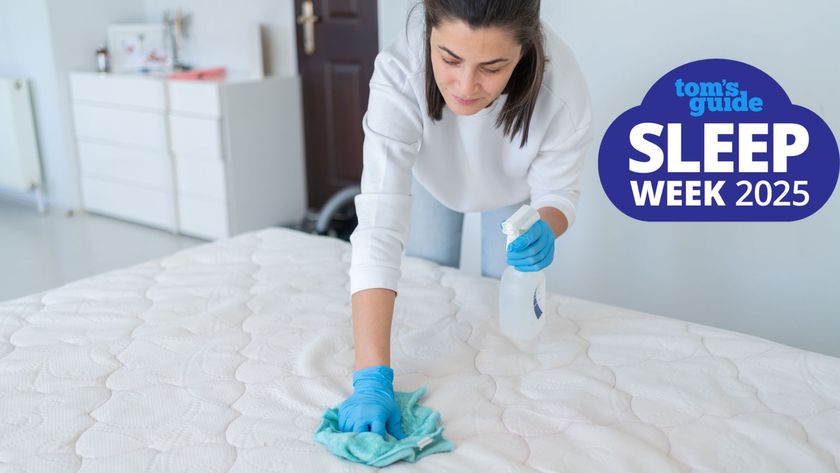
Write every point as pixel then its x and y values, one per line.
pixel 554 175
pixel 392 127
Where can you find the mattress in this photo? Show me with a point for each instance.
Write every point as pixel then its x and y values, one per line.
pixel 223 357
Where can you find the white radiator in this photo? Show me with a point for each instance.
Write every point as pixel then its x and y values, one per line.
pixel 20 164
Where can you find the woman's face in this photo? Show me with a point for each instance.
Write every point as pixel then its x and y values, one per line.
pixel 471 67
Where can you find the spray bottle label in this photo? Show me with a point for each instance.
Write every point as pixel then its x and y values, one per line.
pixel 537 310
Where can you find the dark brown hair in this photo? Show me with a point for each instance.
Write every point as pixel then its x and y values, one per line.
pixel 522 19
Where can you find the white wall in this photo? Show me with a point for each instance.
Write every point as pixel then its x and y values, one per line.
pixel 776 280
pixel 26 52
pixel 42 40
pixel 391 16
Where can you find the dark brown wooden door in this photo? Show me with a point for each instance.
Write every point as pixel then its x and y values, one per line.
pixel 335 91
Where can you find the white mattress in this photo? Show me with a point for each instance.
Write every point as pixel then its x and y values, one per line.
pixel 223 358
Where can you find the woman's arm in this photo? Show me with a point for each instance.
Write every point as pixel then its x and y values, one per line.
pixel 555 219
pixel 373 310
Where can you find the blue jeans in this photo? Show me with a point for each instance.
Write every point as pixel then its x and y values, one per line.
pixel 436 232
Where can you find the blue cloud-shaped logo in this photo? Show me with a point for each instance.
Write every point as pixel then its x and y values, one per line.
pixel 718 140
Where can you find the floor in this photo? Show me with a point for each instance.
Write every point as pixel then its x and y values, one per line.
pixel 39 252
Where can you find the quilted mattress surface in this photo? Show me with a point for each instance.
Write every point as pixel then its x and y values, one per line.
pixel 223 357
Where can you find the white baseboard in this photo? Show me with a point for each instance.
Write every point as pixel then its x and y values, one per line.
pixel 18 196
pixel 29 199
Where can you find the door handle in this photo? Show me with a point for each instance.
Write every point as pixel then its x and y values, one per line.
pixel 308 20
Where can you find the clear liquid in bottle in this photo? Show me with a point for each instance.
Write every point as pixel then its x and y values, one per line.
pixel 521 304
pixel 521 294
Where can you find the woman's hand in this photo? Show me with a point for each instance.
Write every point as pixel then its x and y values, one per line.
pixel 371 407
pixel 534 249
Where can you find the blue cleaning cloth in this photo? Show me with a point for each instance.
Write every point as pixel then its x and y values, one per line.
pixel 423 435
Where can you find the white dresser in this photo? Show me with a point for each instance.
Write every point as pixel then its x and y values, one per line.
pixel 203 158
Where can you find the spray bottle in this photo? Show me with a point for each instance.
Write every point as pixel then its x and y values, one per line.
pixel 521 294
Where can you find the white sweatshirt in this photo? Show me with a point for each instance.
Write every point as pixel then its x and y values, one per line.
pixel 464 161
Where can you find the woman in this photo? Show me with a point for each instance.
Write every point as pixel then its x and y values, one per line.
pixel 478 109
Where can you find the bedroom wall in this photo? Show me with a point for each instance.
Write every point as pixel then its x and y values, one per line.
pixel 26 52
pixel 43 40
pixel 774 280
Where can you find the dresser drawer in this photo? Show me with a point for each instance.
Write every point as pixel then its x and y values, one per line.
pixel 194 97
pixel 199 138
pixel 117 89
pixel 118 126
pixel 201 178
pixel 131 165
pixel 202 218
pixel 128 201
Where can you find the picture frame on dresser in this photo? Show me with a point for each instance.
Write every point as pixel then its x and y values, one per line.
pixel 139 47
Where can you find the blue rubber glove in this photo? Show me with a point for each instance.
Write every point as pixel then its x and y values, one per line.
pixel 371 407
pixel 533 250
